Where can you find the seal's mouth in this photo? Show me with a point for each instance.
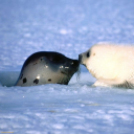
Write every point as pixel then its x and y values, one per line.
pixel 63 72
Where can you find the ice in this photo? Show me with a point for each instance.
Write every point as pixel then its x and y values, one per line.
pixel 69 27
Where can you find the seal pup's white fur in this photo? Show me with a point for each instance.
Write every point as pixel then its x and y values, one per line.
pixel 110 64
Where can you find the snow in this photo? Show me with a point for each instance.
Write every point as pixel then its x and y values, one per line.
pixel 69 27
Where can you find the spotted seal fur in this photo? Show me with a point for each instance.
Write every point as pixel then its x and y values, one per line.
pixel 47 67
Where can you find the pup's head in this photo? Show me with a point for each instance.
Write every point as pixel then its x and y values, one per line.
pixel 95 59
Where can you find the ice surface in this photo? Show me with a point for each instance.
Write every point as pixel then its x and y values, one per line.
pixel 69 27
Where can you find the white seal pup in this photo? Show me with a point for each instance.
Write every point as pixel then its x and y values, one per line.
pixel 47 67
pixel 112 65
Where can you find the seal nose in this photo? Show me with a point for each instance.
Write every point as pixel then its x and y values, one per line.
pixel 80 58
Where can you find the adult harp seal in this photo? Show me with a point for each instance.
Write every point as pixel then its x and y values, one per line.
pixel 47 67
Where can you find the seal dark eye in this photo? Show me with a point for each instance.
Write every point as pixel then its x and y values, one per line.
pixel 88 54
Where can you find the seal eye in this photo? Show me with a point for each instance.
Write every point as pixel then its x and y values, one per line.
pixel 88 54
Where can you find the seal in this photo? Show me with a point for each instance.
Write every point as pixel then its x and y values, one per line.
pixel 111 64
pixel 47 67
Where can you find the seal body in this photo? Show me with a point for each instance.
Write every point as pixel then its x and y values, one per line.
pixel 47 67
pixel 110 64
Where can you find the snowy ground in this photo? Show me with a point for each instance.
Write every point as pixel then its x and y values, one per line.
pixel 69 27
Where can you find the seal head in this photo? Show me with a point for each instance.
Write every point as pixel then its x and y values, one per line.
pixel 47 67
